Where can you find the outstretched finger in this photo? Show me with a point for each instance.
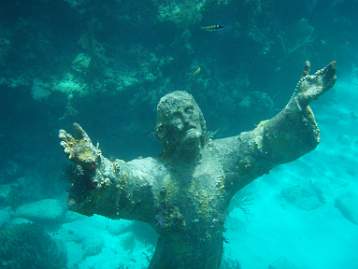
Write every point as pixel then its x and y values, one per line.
pixel 306 68
pixel 81 133
pixel 328 75
pixel 65 136
pixel 67 142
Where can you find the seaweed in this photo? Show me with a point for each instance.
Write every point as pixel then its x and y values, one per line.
pixel 29 246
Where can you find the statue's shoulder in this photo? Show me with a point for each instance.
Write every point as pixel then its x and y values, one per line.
pixel 147 166
pixel 227 142
pixel 232 146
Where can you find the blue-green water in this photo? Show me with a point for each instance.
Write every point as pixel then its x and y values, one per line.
pixel 105 64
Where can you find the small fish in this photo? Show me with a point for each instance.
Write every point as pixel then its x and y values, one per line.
pixel 212 28
pixel 196 71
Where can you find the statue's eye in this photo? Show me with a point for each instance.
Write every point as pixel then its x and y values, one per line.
pixel 160 130
pixel 189 110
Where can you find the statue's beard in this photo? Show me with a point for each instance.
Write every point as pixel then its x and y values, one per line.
pixel 192 135
pixel 191 142
pixel 184 145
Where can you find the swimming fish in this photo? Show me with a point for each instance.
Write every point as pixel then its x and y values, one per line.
pixel 212 27
pixel 196 71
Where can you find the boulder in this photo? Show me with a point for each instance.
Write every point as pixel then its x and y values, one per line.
pixel 17 221
pixel 5 215
pixel 306 196
pixel 347 204
pixel 72 216
pixel 47 210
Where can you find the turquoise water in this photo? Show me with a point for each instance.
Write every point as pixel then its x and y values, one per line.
pixel 106 65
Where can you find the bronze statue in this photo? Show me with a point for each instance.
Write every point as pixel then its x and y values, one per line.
pixel 185 192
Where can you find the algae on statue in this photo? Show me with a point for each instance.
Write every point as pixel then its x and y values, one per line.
pixel 185 192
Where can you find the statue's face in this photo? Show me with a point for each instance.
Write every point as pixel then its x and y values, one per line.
pixel 180 123
pixel 184 124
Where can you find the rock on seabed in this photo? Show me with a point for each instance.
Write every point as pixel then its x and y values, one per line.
pixel 347 205
pixel 47 210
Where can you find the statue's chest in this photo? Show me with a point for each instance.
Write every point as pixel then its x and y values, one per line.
pixel 195 198
pixel 206 188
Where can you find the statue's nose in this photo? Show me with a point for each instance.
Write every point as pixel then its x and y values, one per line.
pixel 187 119
pixel 178 123
pixel 183 122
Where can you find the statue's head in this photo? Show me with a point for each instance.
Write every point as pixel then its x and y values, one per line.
pixel 180 127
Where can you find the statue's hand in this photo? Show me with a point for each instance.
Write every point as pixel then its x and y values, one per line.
pixel 80 148
pixel 310 87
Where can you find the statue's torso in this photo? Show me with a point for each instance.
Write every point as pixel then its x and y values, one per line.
pixel 187 197
pixel 191 206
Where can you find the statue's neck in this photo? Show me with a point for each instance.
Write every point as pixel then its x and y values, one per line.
pixel 185 158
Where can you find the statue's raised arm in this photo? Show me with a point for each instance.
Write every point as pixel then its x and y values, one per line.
pixel 283 138
pixel 186 191
pixel 99 186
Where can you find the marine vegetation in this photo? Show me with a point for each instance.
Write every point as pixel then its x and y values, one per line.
pixel 29 246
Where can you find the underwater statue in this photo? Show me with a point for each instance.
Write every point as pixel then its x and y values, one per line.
pixel 184 193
